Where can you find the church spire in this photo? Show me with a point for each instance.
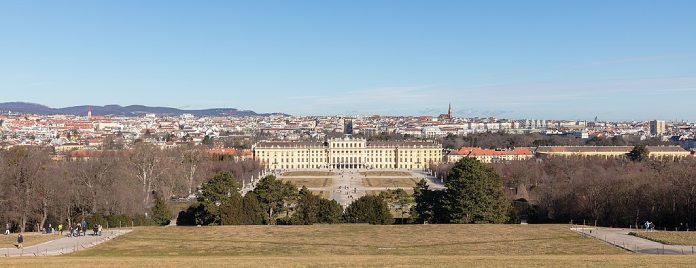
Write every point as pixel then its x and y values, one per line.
pixel 449 111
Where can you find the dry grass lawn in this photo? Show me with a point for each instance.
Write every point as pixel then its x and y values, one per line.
pixel 354 246
pixel 377 192
pixel 389 182
pixel 30 239
pixel 336 240
pixel 309 182
pixel 670 237
pixel 308 173
pixel 623 260
pixel 322 194
pixel 385 173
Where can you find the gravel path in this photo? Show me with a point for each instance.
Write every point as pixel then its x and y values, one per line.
pixel 63 245
pixel 620 238
pixel 347 184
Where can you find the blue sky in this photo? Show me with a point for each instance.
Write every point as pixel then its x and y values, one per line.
pixel 618 60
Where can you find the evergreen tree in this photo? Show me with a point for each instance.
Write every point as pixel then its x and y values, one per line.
pixel 312 209
pixel 161 215
pixel 639 153
pixel 369 209
pixel 330 211
pixel 207 141
pixel 196 214
pixel 428 204
pixel 253 212
pixel 398 200
pixel 423 210
pixel 275 197
pixel 232 213
pixel 308 208
pixel 475 194
pixel 218 192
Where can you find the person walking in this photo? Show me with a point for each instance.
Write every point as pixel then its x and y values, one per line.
pixel 7 229
pixel 84 227
pixel 60 228
pixel 20 241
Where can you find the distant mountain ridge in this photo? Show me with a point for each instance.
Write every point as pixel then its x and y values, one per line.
pixel 117 110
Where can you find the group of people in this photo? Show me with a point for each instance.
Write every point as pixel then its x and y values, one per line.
pixel 348 192
pixel 97 229
pixel 80 229
pixel 76 229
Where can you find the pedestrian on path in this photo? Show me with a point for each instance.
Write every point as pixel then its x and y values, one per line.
pixel 60 228
pixel 7 229
pixel 20 241
pixel 84 227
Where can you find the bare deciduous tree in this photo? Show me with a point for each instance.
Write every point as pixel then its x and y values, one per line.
pixel 148 164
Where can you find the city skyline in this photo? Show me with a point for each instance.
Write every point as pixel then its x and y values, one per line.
pixel 618 61
pixel 120 111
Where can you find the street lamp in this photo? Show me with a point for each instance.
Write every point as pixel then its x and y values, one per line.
pixel 218 203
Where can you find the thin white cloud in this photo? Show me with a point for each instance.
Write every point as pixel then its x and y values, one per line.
pixel 633 59
pixel 370 95
pixel 574 91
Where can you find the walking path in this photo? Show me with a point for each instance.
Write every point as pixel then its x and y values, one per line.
pixel 63 245
pixel 346 187
pixel 621 238
pixel 347 184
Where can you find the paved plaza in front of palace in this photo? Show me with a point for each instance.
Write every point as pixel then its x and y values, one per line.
pixel 346 185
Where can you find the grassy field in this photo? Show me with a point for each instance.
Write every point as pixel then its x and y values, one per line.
pixel 376 192
pixel 323 194
pixel 670 238
pixel 308 173
pixel 354 246
pixel 385 173
pixel 389 182
pixel 361 261
pixel 323 240
pixel 10 241
pixel 309 182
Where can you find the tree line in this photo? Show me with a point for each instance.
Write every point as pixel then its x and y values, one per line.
pixel 612 192
pixel 274 202
pixel 607 191
pixel 133 186
pixel 474 194
pixel 494 140
pixel 115 186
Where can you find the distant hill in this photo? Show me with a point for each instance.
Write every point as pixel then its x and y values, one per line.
pixel 131 110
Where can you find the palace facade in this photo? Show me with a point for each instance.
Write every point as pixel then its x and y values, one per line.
pixel 489 155
pixel 347 153
pixel 660 152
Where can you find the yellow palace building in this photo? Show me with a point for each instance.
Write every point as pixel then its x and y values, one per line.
pixel 347 153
